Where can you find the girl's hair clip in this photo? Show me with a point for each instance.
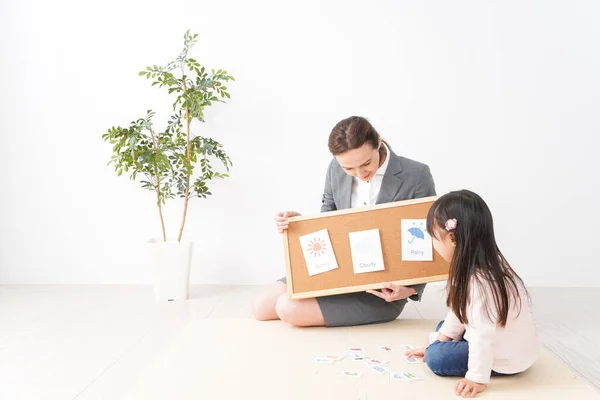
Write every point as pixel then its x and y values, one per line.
pixel 451 224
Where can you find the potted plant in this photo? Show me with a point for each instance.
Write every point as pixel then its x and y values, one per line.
pixel 165 161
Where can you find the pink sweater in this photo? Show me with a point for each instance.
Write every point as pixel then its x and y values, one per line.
pixel 507 350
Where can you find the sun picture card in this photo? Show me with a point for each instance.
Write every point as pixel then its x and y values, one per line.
pixel 416 242
pixel 365 247
pixel 318 252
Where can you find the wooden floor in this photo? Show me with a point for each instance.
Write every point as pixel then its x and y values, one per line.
pixel 238 358
pixel 92 342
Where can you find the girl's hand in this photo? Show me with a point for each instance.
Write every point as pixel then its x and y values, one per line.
pixel 419 353
pixel 281 219
pixel 392 292
pixel 466 388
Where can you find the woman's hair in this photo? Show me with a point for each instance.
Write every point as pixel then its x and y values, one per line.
pixel 476 256
pixel 351 133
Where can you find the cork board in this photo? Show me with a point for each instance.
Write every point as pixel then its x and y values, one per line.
pixel 385 217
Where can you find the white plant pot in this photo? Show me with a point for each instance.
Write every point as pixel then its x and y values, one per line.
pixel 171 265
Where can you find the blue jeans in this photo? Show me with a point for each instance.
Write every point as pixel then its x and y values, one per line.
pixel 450 358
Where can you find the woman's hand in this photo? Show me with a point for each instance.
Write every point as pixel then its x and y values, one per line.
pixel 466 388
pixel 281 219
pixel 392 292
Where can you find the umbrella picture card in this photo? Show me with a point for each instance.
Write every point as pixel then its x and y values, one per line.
pixel 416 242
pixel 318 252
pixel 366 251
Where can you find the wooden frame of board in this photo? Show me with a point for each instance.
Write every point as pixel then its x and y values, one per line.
pixel 385 217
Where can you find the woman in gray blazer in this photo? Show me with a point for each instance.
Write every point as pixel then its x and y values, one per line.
pixel 364 171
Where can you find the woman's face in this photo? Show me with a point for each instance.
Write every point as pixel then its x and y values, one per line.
pixel 361 162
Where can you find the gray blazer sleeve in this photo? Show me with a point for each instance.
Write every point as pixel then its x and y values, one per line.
pixel 425 185
pixel 419 289
pixel 327 203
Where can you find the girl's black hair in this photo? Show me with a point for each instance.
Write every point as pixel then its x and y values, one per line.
pixel 476 256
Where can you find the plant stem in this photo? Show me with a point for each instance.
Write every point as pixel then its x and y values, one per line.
pixel 162 221
pixel 187 189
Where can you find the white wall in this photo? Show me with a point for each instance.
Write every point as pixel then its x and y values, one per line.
pixel 498 97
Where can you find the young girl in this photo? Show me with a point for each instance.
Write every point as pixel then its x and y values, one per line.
pixel 489 330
